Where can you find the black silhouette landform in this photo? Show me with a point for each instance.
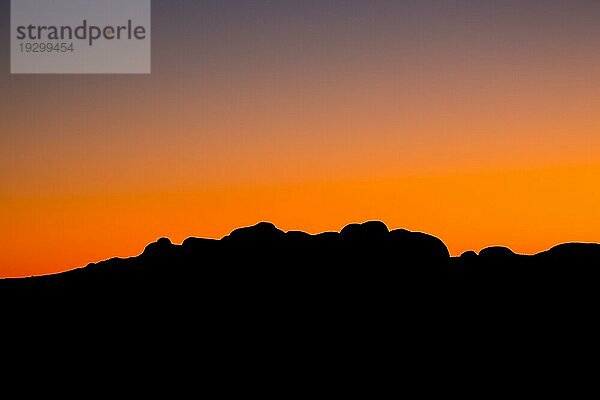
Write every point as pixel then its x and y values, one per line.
pixel 366 258
pixel 263 305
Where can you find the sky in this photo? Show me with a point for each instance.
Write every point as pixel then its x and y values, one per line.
pixel 474 121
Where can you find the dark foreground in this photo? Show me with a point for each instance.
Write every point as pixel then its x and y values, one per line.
pixel 356 303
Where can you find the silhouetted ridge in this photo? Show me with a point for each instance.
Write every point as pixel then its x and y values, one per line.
pixel 573 251
pixel 260 232
pixel 361 254
pixel 369 231
pixel 419 244
pixel 497 252
pixel 160 247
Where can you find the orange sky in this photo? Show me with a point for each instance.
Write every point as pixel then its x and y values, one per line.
pixel 479 132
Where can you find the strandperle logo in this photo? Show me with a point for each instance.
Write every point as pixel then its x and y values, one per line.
pixel 83 32
pixel 80 36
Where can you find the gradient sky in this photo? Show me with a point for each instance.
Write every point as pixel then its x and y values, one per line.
pixel 475 121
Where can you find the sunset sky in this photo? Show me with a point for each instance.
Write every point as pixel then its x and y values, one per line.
pixel 475 121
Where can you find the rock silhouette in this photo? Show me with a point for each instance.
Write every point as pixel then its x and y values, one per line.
pixel 368 257
pixel 263 231
pixel 497 252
